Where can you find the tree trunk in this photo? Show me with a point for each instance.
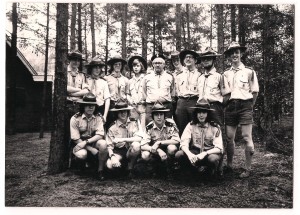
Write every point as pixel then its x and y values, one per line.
pixel 211 24
pixel 232 20
pixel 43 117
pixel 183 32
pixel 85 37
pixel 266 45
pixel 188 26
pixel 124 30
pixel 241 25
pixel 144 32
pixel 58 157
pixel 178 27
pixel 220 32
pixel 79 32
pixel 154 29
pixel 10 99
pixel 106 40
pixel 93 30
pixel 73 27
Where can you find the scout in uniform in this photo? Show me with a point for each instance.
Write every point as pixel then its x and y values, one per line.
pixel 98 86
pixel 138 65
pixel 201 143
pixel 117 83
pixel 123 139
pixel 241 89
pixel 158 86
pixel 161 138
pixel 186 88
pixel 87 133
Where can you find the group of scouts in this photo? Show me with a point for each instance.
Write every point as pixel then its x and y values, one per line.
pixel 178 119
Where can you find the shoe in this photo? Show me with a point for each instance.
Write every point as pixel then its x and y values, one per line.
pixel 100 175
pixel 130 175
pixel 202 169
pixel 245 174
pixel 227 169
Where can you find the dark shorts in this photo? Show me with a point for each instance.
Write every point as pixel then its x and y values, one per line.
pixel 123 153
pixel 239 112
pixel 218 114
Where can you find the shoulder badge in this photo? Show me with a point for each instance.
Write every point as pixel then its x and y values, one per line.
pixel 149 126
pixel 169 122
pixel 77 114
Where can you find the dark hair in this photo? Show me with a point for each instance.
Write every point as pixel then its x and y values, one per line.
pixel 90 69
pixel 112 67
pixel 152 113
pixel 81 108
pixel 195 118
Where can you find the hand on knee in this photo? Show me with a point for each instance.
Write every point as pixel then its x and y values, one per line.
pixel 135 147
pixel 109 164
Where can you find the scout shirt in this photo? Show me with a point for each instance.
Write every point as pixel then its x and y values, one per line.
pixel 187 83
pixel 81 126
pixel 169 131
pixel 120 130
pixel 205 138
pixel 210 85
pixel 135 89
pixel 158 87
pixel 241 82
pixel 118 86
pixel 99 88
pixel 77 81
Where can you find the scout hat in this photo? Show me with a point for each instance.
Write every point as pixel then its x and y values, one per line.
pixel 121 104
pixel 159 107
pixel 183 53
pixel 95 62
pixel 75 55
pixel 88 98
pixel 202 104
pixel 175 54
pixel 116 58
pixel 234 45
pixel 140 58
pixel 209 52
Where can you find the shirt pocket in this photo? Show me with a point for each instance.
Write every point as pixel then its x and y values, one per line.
pixel 208 143
pixel 196 139
pixel 213 87
pixel 243 83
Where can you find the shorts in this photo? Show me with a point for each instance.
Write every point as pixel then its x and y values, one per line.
pixel 239 112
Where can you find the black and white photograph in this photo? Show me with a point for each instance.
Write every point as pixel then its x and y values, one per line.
pixel 149 105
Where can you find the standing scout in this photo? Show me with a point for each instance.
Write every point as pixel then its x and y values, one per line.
pixel 123 139
pixel 186 88
pixel 161 138
pixel 241 88
pixel 201 142
pixel 117 83
pixel 87 133
pixel 158 86
pixel 138 65
pixel 98 86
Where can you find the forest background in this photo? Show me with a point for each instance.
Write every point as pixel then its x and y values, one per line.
pixel 267 31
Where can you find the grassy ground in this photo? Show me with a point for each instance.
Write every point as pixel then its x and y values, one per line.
pixel 27 184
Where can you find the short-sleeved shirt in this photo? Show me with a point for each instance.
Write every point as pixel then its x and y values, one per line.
pixel 81 126
pixel 158 87
pixel 187 82
pixel 169 131
pixel 135 89
pixel 99 88
pixel 77 81
pixel 210 85
pixel 118 86
pixel 241 82
pixel 120 130
pixel 205 138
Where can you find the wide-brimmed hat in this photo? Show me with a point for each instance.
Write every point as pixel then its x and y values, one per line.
pixel 234 45
pixel 209 52
pixel 183 53
pixel 96 61
pixel 202 104
pixel 116 58
pixel 159 107
pixel 140 58
pixel 158 56
pixel 175 54
pixel 121 104
pixel 88 98
pixel 75 55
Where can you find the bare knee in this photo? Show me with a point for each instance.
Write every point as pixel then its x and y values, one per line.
pixel 135 147
pixel 101 145
pixel 145 155
pixel 171 149
pixel 81 154
pixel 179 154
pixel 214 159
